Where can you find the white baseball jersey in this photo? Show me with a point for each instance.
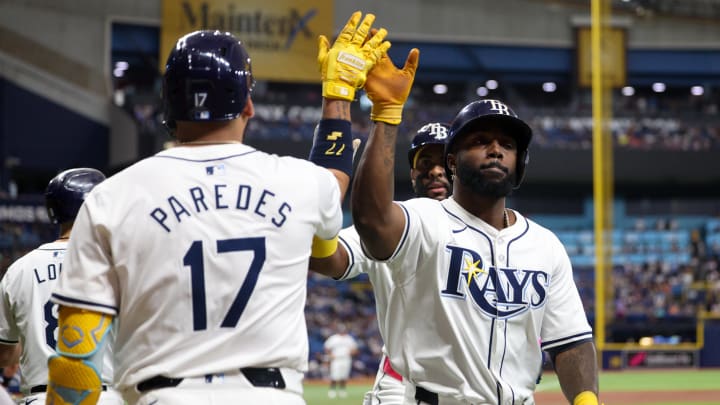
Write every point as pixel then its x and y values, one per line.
pixel 387 389
pixel 28 317
pixel 202 254
pixel 341 345
pixel 471 301
pixel 378 272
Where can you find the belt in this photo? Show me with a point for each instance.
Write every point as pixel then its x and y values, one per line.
pixel 425 396
pixel 36 389
pixel 258 377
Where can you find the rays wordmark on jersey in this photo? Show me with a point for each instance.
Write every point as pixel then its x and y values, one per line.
pixel 497 291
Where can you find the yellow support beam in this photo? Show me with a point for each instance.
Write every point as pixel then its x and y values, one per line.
pixel 602 166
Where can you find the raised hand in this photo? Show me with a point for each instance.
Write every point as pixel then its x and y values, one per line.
pixel 345 65
pixel 389 87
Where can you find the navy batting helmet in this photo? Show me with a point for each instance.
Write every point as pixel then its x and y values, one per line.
pixel 483 112
pixel 432 133
pixel 208 77
pixel 66 192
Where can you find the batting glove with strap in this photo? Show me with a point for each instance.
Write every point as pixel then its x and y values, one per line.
pixel 345 65
pixel 586 398
pixel 389 87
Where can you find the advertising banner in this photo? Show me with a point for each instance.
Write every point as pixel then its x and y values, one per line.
pixel 280 35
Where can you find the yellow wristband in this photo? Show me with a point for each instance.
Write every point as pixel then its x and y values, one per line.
pixel 322 248
pixel 338 90
pixel 586 398
pixel 389 114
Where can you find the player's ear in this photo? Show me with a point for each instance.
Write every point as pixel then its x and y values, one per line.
pixel 249 110
pixel 451 164
pixel 412 178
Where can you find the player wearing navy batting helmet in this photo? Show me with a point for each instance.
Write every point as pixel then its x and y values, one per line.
pixel 477 284
pixel 27 317
pixel 428 177
pixel 485 113
pixel 66 193
pixel 208 77
pixel 206 269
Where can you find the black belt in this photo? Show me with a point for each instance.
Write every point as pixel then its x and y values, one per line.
pixel 425 396
pixel 258 377
pixel 36 389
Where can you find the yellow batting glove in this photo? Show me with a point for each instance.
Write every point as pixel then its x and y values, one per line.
pixel 345 65
pixel 586 398
pixel 389 87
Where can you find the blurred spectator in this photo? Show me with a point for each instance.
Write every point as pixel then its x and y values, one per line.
pixel 340 348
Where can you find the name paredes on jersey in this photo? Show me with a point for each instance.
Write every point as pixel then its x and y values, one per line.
pixel 498 292
pixel 260 202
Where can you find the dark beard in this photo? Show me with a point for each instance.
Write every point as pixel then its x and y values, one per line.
pixel 476 181
pixel 421 190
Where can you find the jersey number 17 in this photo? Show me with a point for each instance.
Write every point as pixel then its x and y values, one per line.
pixel 194 259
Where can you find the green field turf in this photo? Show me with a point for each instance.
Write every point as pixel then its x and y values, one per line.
pixel 663 380
pixel 318 395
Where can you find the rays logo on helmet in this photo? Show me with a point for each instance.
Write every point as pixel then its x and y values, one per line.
pixel 500 107
pixel 431 133
pixel 436 130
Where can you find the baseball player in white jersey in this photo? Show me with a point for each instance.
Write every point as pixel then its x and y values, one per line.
pixel 476 284
pixel 201 251
pixel 427 173
pixel 340 348
pixel 27 318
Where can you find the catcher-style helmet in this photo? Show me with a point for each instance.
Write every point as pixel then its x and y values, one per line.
pixel 66 192
pixel 207 77
pixel 432 133
pixel 486 111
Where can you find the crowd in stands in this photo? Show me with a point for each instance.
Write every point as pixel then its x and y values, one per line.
pixel 572 129
pixel 684 286
pixel 639 122
pixel 630 133
pixel 561 131
pixel 16 239
pixel 330 303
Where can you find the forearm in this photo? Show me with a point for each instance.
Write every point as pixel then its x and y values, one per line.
pixel 9 354
pixel 334 109
pixel 332 266
pixel 374 213
pixel 577 370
